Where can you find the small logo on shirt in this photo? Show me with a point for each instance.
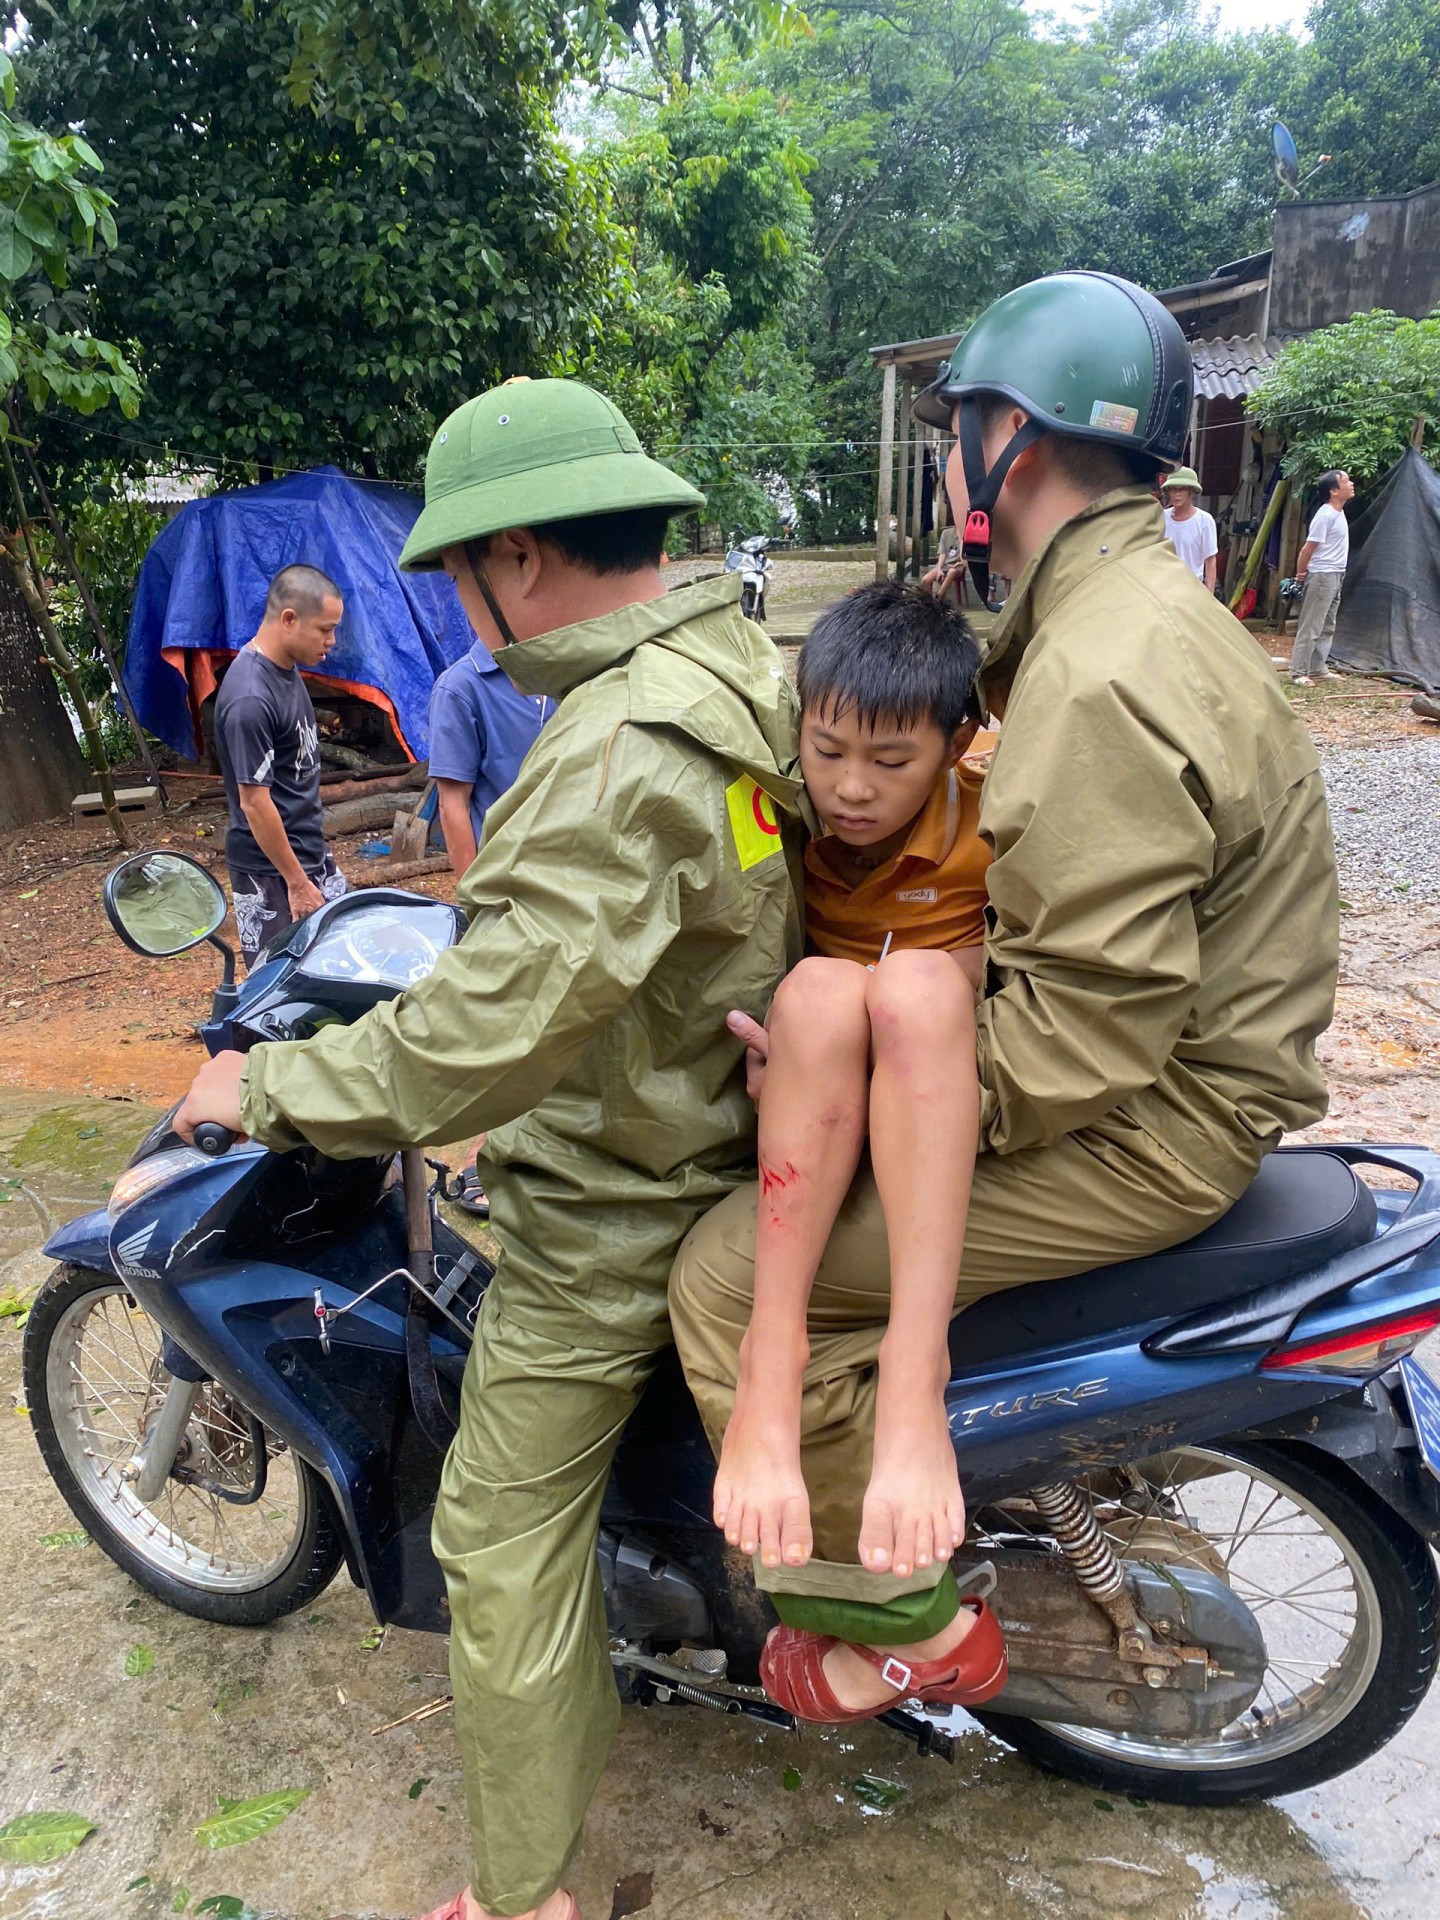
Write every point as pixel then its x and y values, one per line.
pixel 928 895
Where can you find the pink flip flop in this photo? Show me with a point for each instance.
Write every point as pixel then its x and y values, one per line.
pixel 792 1671
pixel 455 1910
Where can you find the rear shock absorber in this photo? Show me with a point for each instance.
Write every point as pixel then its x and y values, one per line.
pixel 1068 1515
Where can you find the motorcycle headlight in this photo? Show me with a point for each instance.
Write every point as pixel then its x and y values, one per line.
pixel 381 946
pixel 155 1172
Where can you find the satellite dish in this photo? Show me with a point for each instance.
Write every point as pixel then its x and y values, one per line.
pixel 1287 160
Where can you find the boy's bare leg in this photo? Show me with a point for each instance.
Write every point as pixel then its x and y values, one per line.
pixel 924 1129
pixel 812 1129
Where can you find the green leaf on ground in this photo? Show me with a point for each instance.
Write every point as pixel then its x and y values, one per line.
pixel 871 1791
pixel 76 1537
pixel 417 1787
pixel 229 1906
pixel 1105 1806
pixel 34 1839
pixel 373 1640
pixel 139 1660
pixel 12 1307
pixel 181 1900
pixel 140 1880
pixel 242 1820
pixel 791 1778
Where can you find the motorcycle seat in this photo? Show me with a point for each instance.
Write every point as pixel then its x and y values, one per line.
pixel 1304 1208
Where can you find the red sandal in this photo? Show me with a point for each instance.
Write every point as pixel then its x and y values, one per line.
pixel 792 1671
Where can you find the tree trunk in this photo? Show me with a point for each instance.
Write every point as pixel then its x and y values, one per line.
pixel 43 766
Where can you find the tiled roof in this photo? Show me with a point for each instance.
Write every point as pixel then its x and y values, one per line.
pixel 1231 368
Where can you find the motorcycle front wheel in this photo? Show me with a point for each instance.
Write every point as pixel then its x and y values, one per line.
pixel 1345 1594
pixel 95 1382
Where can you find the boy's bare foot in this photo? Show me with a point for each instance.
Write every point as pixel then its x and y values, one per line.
pixel 761 1504
pixel 914 1512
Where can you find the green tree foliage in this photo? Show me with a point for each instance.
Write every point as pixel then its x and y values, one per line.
pixel 1175 127
pixel 1349 395
pixel 1372 94
pixel 302 290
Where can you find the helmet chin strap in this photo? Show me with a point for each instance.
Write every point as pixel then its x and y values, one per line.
pixel 487 594
pixel 983 485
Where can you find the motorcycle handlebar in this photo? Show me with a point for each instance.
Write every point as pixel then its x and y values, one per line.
pixel 212 1138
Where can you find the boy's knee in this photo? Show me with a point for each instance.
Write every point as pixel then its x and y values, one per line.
pixel 819 989
pixel 919 985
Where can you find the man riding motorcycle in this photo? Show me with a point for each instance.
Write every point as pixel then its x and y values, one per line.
pixel 634 885
pixel 1164 930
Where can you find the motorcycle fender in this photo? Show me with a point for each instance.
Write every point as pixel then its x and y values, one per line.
pixel 1370 1433
pixel 83 1243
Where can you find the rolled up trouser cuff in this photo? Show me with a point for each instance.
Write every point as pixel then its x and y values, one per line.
pixel 846 1580
pixel 898 1622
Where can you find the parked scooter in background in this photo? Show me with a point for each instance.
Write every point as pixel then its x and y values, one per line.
pixel 1203 1486
pixel 751 560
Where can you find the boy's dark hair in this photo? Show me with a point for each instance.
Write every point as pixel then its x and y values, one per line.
pixel 623 542
pixel 891 652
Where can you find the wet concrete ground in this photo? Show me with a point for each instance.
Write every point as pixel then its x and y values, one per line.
pixel 693 1818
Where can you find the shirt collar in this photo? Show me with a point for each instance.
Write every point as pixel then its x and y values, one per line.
pixel 482 659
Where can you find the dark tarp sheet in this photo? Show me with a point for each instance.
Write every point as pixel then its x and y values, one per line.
pixel 202 587
pixel 1389 620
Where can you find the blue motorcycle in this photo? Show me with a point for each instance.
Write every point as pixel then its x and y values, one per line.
pixel 1203 1487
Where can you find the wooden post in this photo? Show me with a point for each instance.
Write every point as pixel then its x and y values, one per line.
pixel 1417 434
pixel 917 503
pixel 1261 541
pixel 902 510
pixel 887 473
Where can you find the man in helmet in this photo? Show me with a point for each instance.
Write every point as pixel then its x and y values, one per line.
pixel 1188 528
pixel 1162 955
pixel 633 886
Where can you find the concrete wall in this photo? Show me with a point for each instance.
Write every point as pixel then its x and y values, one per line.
pixel 1335 258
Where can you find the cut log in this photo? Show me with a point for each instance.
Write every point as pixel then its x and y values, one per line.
pixel 361 816
pixel 392 876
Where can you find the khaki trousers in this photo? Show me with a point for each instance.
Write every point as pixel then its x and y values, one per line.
pixel 515 1529
pixel 1316 631
pixel 1109 1192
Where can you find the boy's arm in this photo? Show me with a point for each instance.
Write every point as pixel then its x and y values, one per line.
pixel 1100 844
pixel 455 822
pixel 574 899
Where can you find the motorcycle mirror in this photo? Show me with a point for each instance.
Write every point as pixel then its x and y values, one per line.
pixel 163 903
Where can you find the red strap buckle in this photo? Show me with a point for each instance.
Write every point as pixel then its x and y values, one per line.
pixel 896 1674
pixel 977 534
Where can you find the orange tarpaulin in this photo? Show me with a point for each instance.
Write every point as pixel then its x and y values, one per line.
pixel 198 667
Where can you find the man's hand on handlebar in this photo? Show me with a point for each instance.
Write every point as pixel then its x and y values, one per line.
pixel 214 1095
pixel 757 1050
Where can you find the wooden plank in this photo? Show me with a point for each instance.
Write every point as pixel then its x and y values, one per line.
pixel 887 473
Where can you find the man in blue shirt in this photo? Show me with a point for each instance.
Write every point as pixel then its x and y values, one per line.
pixel 481 728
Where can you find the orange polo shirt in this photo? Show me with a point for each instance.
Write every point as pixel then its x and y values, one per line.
pixel 929 894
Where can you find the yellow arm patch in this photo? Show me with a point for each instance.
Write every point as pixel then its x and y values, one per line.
pixel 753 821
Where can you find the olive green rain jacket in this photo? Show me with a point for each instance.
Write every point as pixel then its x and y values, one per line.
pixel 635 884
pixel 1165 935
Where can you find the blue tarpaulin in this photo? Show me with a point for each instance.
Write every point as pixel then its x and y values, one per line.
pixel 202 590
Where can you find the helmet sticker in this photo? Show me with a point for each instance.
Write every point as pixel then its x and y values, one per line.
pixel 1112 417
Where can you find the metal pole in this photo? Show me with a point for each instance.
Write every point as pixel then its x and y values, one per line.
pixel 887 473
pixel 917 502
pixel 902 511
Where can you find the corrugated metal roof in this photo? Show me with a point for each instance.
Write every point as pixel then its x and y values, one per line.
pixel 1228 369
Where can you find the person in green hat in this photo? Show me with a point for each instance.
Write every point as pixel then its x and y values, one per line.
pixel 1188 528
pixel 1162 952
pixel 633 886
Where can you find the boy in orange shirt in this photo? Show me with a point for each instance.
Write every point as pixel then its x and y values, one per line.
pixel 873 1032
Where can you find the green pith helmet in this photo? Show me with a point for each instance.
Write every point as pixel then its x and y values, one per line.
pixel 1183 477
pixel 530 452
pixel 1087 354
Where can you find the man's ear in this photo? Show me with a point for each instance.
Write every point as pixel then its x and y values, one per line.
pixel 530 560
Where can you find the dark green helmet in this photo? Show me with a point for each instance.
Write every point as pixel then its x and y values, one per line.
pixel 1083 353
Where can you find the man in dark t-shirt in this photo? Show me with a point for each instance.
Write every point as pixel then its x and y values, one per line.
pixel 268 745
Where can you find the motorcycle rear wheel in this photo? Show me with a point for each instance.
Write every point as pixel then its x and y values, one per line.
pixel 94 1383
pixel 1371 1612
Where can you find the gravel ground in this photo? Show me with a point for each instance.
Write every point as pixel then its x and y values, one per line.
pixel 1385 806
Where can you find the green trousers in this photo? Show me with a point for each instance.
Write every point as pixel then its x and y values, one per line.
pixel 515 1530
